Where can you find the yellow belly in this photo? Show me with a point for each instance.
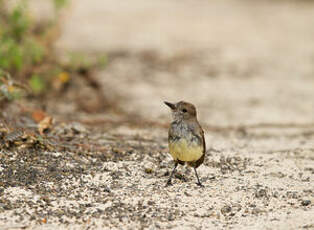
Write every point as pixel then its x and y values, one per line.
pixel 180 150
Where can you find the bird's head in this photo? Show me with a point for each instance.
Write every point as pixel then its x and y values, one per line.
pixel 182 110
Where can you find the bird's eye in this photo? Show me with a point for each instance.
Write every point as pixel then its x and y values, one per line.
pixel 184 110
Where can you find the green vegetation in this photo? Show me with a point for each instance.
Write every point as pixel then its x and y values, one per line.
pixel 28 64
pixel 24 49
pixel 18 47
pixel 60 3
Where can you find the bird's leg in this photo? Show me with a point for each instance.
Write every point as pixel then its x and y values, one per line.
pixel 198 180
pixel 171 175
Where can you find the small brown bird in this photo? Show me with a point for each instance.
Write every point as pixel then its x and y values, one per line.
pixel 185 138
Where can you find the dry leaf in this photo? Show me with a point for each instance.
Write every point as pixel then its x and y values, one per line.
pixel 39 115
pixel 61 79
pixel 45 125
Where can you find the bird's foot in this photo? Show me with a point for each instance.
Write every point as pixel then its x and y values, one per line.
pixel 200 184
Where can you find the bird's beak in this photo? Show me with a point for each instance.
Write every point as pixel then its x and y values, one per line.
pixel 172 106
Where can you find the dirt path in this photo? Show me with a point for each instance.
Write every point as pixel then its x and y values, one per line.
pixel 248 66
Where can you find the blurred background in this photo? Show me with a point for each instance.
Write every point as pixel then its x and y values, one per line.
pixel 239 62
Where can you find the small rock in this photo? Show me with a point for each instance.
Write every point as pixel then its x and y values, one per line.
pixel 106 189
pixel 170 217
pixel 275 194
pixel 305 202
pixel 78 128
pixel 150 203
pixel 148 170
pixel 226 209
pixel 260 193
pixel 187 194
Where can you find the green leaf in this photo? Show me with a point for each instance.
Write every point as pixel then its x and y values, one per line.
pixel 11 55
pixel 102 61
pixel 37 84
pixel 34 51
pixel 19 22
pixel 60 4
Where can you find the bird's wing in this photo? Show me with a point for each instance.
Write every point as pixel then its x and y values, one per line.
pixel 203 140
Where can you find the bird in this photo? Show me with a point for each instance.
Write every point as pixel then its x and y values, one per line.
pixel 185 138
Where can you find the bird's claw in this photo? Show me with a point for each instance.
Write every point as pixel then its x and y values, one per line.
pixel 200 184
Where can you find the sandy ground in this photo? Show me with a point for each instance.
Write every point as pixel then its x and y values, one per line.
pixel 248 67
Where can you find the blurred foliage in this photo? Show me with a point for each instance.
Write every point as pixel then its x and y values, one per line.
pixel 20 48
pixel 81 61
pixel 23 48
pixel 27 59
pixel 37 84
pixel 60 3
